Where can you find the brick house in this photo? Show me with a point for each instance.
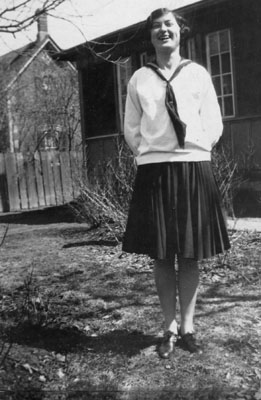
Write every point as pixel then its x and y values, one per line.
pixel 39 98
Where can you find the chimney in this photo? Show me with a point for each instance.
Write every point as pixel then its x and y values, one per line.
pixel 42 25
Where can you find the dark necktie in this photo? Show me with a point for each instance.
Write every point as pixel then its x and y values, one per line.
pixel 171 103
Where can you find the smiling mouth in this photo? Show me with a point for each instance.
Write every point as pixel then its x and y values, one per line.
pixel 163 38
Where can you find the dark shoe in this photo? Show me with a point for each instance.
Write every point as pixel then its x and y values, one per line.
pixel 167 345
pixel 189 343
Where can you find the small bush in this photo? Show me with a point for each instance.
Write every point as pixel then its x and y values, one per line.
pixel 104 198
pixel 35 305
pixel 227 175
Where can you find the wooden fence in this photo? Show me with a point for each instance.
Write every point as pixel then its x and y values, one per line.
pixel 47 178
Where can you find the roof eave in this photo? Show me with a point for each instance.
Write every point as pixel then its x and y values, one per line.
pixel 75 52
pixel 47 40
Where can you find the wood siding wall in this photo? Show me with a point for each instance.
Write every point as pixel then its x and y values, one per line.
pixel 244 136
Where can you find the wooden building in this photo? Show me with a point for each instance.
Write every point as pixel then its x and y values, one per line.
pixel 224 38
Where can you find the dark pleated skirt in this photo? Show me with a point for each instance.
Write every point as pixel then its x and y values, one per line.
pixel 176 210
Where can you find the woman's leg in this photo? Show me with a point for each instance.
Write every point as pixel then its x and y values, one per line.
pixel 188 281
pixel 165 279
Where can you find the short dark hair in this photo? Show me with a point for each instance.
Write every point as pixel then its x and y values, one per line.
pixel 184 29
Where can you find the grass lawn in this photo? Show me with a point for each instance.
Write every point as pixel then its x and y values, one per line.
pixel 79 319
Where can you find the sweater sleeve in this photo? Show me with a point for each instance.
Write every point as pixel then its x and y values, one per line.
pixel 132 119
pixel 210 113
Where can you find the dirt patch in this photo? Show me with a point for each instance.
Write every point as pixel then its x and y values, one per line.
pixel 82 320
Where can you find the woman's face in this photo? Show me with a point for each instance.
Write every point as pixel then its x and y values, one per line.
pixel 165 32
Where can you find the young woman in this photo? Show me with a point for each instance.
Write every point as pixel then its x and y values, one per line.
pixel 172 121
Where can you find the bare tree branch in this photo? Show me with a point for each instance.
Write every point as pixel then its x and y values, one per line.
pixel 23 13
pixel 105 54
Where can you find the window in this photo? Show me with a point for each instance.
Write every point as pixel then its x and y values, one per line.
pixel 44 83
pixel 46 57
pixel 145 58
pixel 124 72
pixel 49 142
pixel 191 49
pixel 219 58
pixel 47 83
pixel 49 138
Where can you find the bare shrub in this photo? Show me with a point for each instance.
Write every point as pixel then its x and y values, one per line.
pixel 35 305
pixel 32 307
pixel 5 348
pixel 227 175
pixel 105 195
pixel 3 233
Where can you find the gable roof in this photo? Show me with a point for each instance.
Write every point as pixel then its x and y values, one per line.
pixel 14 63
pixel 117 38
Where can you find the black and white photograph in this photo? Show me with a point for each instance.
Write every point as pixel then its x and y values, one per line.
pixel 130 200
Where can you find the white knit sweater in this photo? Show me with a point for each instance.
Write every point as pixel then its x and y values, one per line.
pixel 148 129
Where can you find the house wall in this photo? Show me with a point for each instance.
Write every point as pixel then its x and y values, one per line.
pixel 241 132
pixel 44 107
pixel 243 19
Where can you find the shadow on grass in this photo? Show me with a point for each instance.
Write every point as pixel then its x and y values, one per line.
pixel 244 345
pixel 23 391
pixel 49 215
pixel 214 312
pixel 69 340
pixel 85 390
pixel 218 295
pixel 222 295
pixel 111 243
